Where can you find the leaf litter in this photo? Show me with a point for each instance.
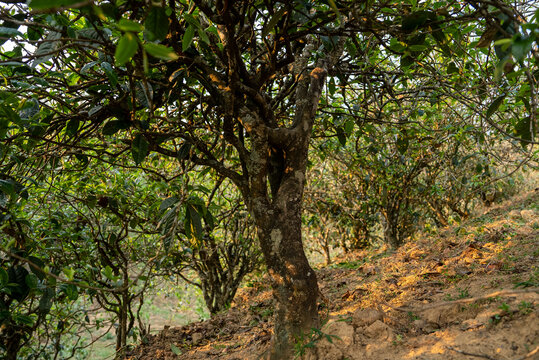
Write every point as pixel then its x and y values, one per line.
pixel 469 291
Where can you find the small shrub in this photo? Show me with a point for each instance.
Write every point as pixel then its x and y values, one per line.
pixel 412 316
pixel 463 293
pixel 306 341
pixel 525 307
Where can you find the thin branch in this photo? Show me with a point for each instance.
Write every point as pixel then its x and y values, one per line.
pixel 470 354
pixel 464 301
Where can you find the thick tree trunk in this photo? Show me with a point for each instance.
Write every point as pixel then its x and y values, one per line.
pixel 278 221
pixel 294 282
pixel 391 230
pixel 13 343
pixel 278 158
pixel 121 332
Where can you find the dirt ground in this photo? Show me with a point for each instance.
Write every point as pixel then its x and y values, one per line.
pixel 470 291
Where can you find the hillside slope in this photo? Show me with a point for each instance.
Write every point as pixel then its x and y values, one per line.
pixel 469 291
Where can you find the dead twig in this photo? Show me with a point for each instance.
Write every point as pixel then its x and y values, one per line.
pixel 470 354
pixel 530 354
pixel 464 301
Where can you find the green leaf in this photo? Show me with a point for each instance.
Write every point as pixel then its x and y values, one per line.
pixel 503 42
pixel 111 127
pixel 341 135
pixel 418 48
pixel 329 338
pixel 24 319
pixel 126 48
pixel 82 158
pixel 195 222
pixel 478 168
pixel 188 37
pixel 40 264
pixel 45 303
pixel 71 291
pixel 94 110
pixel 17 275
pixel 414 20
pixel 31 281
pixel 160 51
pixel 499 69
pixel 452 68
pixel 273 21
pixel 14 63
pixel 69 273
pixel 202 35
pixel 395 45
pixel 402 144
pixel 156 24
pixel 7 187
pixel 521 47
pixel 187 224
pixel 10 114
pixel 9 32
pixel 4 277
pixel 176 350
pixel 190 19
pixel 34 33
pixel 139 148
pixel 128 25
pixel 349 127
pixel 107 272
pixel 438 34
pixel 113 77
pixel 406 61
pixel 495 105
pixel 72 127
pixel 184 151
pixel 87 67
pixel 524 130
pixel 335 8
pixel 49 4
pixel 168 202
pixel 210 220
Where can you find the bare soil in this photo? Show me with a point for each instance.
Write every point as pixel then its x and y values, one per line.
pixel 470 291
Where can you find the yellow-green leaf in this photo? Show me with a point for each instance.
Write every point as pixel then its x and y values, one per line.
pixel 160 51
pixel 139 148
pixel 495 105
pixel 188 37
pixel 128 25
pixel 126 48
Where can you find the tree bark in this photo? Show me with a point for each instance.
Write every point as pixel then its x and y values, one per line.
pixel 13 343
pixel 278 218
pixel 272 186
pixel 294 282
pixel 391 229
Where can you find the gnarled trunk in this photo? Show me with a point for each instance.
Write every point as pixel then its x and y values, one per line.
pixel 393 234
pixel 278 158
pixel 294 287
pixel 278 221
pixel 294 282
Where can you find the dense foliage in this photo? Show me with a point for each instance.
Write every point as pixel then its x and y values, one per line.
pixel 142 139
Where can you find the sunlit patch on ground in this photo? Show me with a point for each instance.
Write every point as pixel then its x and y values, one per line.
pixel 428 300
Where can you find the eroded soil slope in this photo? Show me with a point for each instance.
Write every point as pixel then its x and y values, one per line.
pixel 470 291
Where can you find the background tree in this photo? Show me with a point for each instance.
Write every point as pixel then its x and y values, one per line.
pixel 216 240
